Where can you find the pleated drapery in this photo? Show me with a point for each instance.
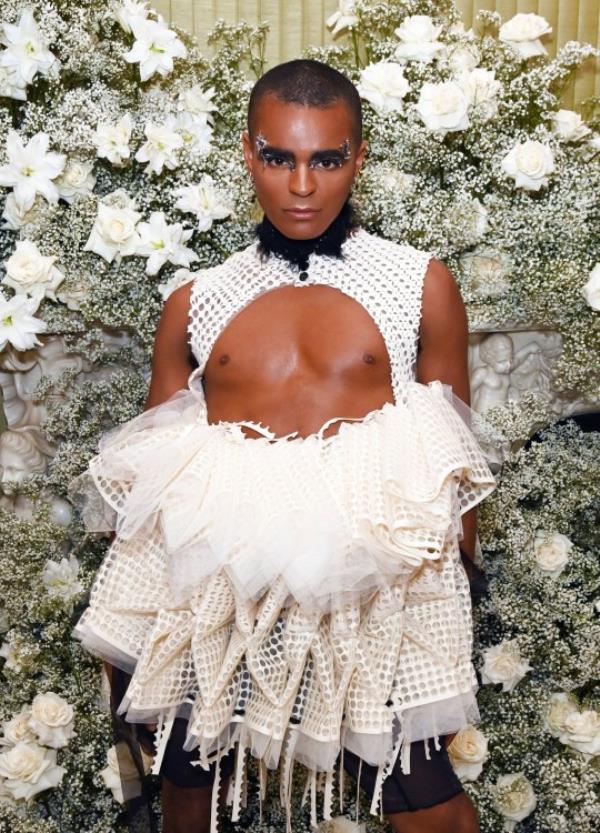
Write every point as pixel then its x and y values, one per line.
pixel 296 24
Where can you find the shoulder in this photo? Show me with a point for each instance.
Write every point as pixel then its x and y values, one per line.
pixel 180 296
pixel 442 306
pixel 439 285
pixel 397 257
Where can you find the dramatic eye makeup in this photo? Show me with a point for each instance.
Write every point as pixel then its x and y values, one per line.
pixel 274 157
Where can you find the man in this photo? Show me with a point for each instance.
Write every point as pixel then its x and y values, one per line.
pixel 297 357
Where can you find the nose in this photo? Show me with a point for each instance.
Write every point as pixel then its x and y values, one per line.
pixel 302 180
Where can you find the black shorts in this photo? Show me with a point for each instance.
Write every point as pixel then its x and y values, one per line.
pixel 177 763
pixel 430 781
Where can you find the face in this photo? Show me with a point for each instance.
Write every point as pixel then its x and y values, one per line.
pixel 303 160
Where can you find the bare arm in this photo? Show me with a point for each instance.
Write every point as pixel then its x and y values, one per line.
pixel 171 367
pixel 171 357
pixel 443 355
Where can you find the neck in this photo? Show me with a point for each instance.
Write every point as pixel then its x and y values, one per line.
pixel 296 252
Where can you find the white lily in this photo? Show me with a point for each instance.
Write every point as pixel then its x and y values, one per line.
pixel 160 149
pixel 26 50
pixel 112 140
pixel 161 242
pixel 31 169
pixel 196 134
pixel 204 200
pixel 127 11
pixel 61 578
pixel 198 103
pixel 18 325
pixel 155 47
pixel 344 18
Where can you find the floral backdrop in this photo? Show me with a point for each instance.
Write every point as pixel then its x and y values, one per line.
pixel 121 171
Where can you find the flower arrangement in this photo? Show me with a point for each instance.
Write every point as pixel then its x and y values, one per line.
pixel 120 169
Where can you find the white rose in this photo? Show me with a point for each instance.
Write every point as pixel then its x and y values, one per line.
pixel 560 706
pixel 551 551
pixel 582 732
pixel 121 775
pixel 16 216
pixel 76 178
pixel 29 272
pixel 482 90
pixel 384 86
pixel 523 32
pixel 529 163
pixel 443 107
pixel 340 824
pixel 119 199
pixel 17 729
pixel 52 719
pixel 28 769
pixel 462 57
pixel 72 293
pixel 419 39
pixel 11 657
pixel 569 126
pixel 114 233
pixel 591 290
pixel 514 798
pixel 61 578
pixel 488 270
pixel 468 752
pixel 503 664
pixel 394 180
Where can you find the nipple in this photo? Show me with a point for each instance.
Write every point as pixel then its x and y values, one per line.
pixel 224 359
pixel 368 358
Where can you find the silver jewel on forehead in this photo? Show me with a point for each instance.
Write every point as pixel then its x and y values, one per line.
pixel 260 142
pixel 345 149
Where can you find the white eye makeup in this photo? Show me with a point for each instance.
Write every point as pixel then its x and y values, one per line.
pixel 325 160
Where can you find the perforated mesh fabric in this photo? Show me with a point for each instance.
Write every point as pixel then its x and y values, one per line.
pixel 382 276
pixel 292 596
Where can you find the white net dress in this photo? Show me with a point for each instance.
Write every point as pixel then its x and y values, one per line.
pixel 292 596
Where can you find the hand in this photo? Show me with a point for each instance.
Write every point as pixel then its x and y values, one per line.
pixel 478 582
pixel 449 738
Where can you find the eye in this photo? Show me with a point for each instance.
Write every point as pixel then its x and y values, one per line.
pixel 274 160
pixel 328 163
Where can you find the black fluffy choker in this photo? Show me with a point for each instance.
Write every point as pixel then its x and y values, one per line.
pixel 296 252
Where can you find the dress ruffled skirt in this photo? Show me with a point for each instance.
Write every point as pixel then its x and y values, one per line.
pixel 294 596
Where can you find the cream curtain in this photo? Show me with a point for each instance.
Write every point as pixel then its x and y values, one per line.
pixel 296 24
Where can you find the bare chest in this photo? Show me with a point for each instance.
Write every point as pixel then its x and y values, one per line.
pixel 314 331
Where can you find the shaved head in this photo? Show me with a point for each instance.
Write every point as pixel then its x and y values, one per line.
pixel 310 84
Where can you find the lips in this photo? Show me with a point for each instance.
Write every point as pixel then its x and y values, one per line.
pixel 301 213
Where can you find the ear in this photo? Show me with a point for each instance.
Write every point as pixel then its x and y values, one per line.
pixel 248 149
pixel 360 156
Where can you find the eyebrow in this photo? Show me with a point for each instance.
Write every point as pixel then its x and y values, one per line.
pixel 317 155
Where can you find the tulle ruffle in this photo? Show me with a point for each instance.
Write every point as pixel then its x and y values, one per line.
pixel 337 518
